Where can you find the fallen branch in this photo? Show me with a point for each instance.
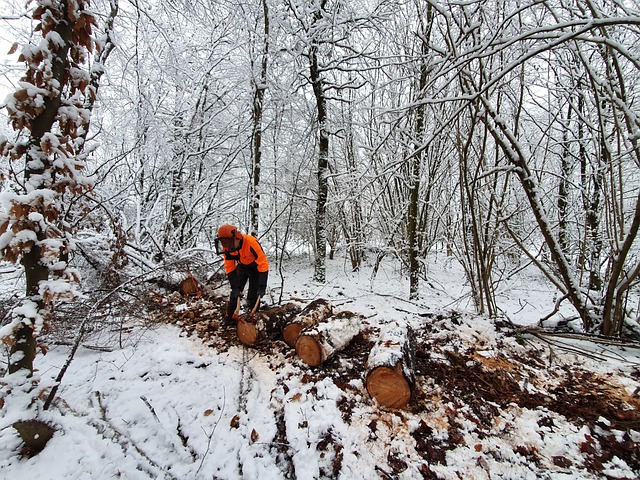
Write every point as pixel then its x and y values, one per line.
pixel 108 431
pixel 578 350
pixel 210 435
pixel 82 330
pixel 600 339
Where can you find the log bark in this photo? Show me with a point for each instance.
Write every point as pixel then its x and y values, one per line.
pixel 265 324
pixel 319 343
pixel 390 366
pixel 317 311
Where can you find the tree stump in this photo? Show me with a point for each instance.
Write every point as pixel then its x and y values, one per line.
pixel 390 366
pixel 317 311
pixel 320 342
pixel 265 324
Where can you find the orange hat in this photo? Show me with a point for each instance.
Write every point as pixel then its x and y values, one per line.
pixel 229 231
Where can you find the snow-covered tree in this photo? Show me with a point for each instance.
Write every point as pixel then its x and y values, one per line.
pixel 45 170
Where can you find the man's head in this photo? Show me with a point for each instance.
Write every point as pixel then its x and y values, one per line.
pixel 228 238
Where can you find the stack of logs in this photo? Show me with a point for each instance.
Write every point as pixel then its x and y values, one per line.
pixel 317 334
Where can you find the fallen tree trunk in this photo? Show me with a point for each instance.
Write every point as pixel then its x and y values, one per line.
pixel 390 366
pixel 319 343
pixel 265 324
pixel 177 281
pixel 317 311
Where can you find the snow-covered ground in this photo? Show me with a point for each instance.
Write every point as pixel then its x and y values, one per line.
pixel 169 405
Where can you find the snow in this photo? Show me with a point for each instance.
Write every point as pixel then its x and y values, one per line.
pixel 168 405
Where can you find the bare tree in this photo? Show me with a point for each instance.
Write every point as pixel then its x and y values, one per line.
pixel 325 28
pixel 596 38
pixel 259 87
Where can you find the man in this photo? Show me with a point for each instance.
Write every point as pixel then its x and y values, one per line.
pixel 244 260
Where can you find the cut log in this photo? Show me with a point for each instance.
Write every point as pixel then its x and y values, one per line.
pixel 265 324
pixel 189 286
pixel 390 366
pixel 177 281
pixel 317 311
pixel 320 342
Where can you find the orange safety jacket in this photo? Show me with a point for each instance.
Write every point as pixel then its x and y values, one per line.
pixel 250 252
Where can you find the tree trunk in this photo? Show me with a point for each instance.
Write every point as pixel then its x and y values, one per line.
pixel 390 366
pixel 415 166
pixel 354 232
pixel 619 283
pixel 563 186
pixel 412 227
pixel 258 98
pixel 314 313
pixel 23 350
pixel 319 273
pixel 52 140
pixel 37 167
pixel 319 343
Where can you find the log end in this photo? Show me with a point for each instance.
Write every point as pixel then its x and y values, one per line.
pixel 291 332
pixel 189 287
pixel 309 350
pixel 247 332
pixel 389 387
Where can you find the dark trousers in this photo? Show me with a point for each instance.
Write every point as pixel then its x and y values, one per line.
pixel 242 275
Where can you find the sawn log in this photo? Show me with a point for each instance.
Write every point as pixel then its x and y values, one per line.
pixel 320 342
pixel 178 281
pixel 317 311
pixel 390 366
pixel 265 324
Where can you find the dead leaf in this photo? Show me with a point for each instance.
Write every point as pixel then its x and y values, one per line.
pixel 208 412
pixel 254 436
pixel 235 422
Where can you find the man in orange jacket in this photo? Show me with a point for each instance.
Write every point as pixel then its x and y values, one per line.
pixel 244 260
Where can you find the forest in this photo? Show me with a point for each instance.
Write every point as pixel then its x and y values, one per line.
pixel 500 134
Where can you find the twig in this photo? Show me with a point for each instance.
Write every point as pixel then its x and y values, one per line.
pixel 556 309
pixel 101 408
pixel 151 409
pixel 383 472
pixel 102 425
pixel 578 350
pixel 618 342
pixel 82 331
pixel 210 436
